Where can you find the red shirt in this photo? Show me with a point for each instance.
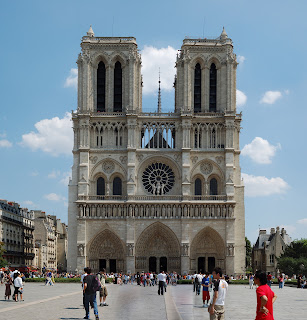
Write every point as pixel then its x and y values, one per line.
pixel 264 290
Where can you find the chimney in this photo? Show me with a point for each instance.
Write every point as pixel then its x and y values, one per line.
pixel 272 230
pixel 262 232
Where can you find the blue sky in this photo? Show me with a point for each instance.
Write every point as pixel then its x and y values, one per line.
pixel 41 42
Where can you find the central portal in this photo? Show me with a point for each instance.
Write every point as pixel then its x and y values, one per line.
pixel 153 264
pixel 163 264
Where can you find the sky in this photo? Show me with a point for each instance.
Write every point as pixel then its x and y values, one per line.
pixel 40 45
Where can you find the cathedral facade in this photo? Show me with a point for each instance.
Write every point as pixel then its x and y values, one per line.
pixel 156 191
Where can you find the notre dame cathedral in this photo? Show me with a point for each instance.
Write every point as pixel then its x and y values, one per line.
pixel 156 191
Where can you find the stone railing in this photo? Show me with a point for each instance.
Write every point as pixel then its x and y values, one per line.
pixel 110 39
pixel 155 198
pixel 155 211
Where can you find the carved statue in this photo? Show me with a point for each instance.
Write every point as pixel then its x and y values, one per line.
pixel 81 250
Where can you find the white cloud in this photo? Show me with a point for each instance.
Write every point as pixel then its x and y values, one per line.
pixel 72 79
pixel 259 186
pixel 54 174
pixel 241 59
pixel 54 197
pixel 153 59
pixel 241 98
pixel 5 143
pixel 29 204
pixel 53 136
pixel 65 179
pixel 2 135
pixel 302 221
pixel 270 97
pixel 34 174
pixel 260 150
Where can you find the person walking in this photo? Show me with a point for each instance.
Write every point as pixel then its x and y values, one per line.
pixel 90 287
pixel 161 279
pixel 269 279
pixel 251 281
pixel 206 296
pixel 280 281
pixel 103 290
pixel 18 286
pixel 265 297
pixel 8 291
pixel 220 286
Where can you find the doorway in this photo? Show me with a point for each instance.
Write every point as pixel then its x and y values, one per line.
pixel 201 264
pixel 113 265
pixel 163 264
pixel 211 264
pixel 152 264
pixel 102 264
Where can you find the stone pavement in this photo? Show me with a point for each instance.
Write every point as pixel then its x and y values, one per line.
pixel 64 302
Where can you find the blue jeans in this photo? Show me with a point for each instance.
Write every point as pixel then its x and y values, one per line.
pixel 87 299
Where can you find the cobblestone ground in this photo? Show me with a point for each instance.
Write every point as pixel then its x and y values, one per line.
pixel 64 301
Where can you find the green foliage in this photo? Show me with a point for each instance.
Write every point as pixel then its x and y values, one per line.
pixel 184 281
pixel 248 257
pixel 294 258
pixel 3 262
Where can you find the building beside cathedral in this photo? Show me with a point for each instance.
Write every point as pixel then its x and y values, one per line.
pixel 152 191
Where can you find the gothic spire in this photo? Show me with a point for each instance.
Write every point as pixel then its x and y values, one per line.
pixel 159 95
pixel 90 32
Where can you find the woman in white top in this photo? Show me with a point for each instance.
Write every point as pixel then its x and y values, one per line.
pixel 18 286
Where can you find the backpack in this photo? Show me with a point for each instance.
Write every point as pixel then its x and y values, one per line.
pixel 96 285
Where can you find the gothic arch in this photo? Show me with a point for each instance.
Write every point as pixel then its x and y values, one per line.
pixel 216 169
pixel 199 59
pixel 157 240
pixel 207 241
pixel 100 57
pixel 118 57
pixel 98 164
pixel 106 245
pixel 214 59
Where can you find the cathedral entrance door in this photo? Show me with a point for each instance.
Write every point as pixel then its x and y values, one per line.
pixel 163 264
pixel 211 264
pixel 113 265
pixel 201 264
pixel 152 264
pixel 102 264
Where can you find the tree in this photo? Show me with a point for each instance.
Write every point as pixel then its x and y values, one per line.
pixel 248 257
pixel 3 262
pixel 294 258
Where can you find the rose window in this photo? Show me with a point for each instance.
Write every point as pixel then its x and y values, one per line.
pixel 158 178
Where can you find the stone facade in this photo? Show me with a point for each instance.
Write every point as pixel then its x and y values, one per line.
pixel 16 232
pixel 61 229
pixel 268 248
pixel 45 240
pixel 153 191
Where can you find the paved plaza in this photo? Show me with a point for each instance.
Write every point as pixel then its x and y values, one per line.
pixel 64 301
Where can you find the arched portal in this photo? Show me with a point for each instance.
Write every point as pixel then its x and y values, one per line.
pixel 207 251
pixel 106 250
pixel 159 244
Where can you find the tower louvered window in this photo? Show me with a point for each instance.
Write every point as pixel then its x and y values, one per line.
pixel 101 87
pixel 117 186
pixel 213 187
pixel 118 87
pixel 197 88
pixel 198 188
pixel 213 81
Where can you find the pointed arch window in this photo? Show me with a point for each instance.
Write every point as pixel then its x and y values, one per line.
pixel 117 186
pixel 213 187
pixel 198 187
pixel 197 88
pixel 101 190
pixel 118 87
pixel 101 87
pixel 212 94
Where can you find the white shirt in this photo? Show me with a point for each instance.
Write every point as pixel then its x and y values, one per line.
pixel 18 282
pixel 82 278
pixel 164 277
pixel 222 289
pixel 161 277
pixel 199 277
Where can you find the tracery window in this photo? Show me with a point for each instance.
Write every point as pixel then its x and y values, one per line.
pixel 213 187
pixel 118 87
pixel 117 186
pixel 158 178
pixel 100 187
pixel 197 88
pixel 212 94
pixel 101 87
pixel 198 187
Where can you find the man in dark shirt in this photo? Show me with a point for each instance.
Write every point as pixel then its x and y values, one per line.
pixel 89 294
